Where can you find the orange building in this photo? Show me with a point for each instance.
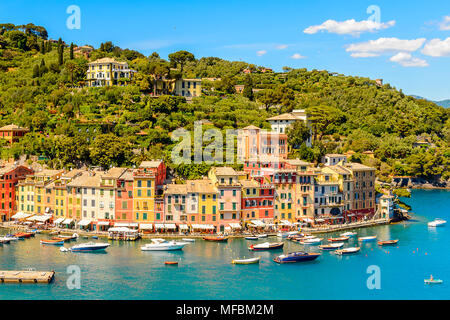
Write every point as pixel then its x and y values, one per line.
pixel 12 133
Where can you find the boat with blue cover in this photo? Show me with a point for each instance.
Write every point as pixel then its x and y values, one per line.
pixel 295 257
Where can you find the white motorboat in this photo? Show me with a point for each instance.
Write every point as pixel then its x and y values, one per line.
pixel 284 235
pixel 331 246
pixel 348 234
pixel 312 241
pixel 188 240
pixel 262 236
pixel 8 239
pixel 90 246
pixel 64 249
pixel 437 223
pixel 163 245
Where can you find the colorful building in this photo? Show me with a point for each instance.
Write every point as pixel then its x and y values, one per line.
pixel 148 180
pixel 12 133
pixel 226 180
pixel 188 88
pixel 108 72
pixel 10 175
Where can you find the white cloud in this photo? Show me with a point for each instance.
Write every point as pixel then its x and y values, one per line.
pixel 352 27
pixel 382 45
pixel 364 55
pixel 261 53
pixel 407 60
pixel 445 25
pixel 281 46
pixel 297 56
pixel 437 48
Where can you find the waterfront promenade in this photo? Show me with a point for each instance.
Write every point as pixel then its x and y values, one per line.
pixel 103 234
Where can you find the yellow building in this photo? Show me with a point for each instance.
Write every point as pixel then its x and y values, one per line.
pixel 145 181
pixel 25 195
pixel 188 88
pixel 108 72
pixel 202 202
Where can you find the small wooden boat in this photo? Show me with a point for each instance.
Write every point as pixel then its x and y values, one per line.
pixel 311 241
pixel 341 239
pixel 367 239
pixel 296 257
pixel 171 263
pixel 23 235
pixel 331 246
pixel 388 243
pixel 266 246
pixel 216 239
pixel 251 238
pixel 246 261
pixel 69 238
pixel 347 251
pixel 53 242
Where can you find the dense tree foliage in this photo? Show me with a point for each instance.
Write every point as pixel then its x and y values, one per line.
pixel 42 88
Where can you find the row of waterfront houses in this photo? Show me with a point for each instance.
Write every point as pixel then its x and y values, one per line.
pixel 282 192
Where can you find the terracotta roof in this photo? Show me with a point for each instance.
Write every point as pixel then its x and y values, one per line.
pixel 249 183
pixel 297 162
pixel 73 173
pixel 225 171
pixel 107 60
pixel 252 127
pixel 150 164
pixel 200 186
pixel 6 169
pixel 87 179
pixel 359 167
pixel 176 189
pixel 114 173
pixel 285 116
pixel 48 172
pixel 13 127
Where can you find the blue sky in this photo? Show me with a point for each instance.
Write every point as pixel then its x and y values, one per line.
pixel 406 47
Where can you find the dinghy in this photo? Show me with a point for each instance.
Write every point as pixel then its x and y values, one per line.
pixel 266 246
pixel 331 246
pixel 246 261
pixel 216 239
pixel 367 239
pixel 188 240
pixel 53 242
pixel 312 241
pixel 251 238
pixel 347 251
pixel 348 234
pixel 387 243
pixel 341 239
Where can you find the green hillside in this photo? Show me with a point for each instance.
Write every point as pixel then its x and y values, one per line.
pixel 41 88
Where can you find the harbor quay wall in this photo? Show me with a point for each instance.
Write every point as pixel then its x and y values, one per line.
pixel 82 233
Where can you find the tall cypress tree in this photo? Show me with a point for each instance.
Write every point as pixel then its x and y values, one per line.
pixel 248 89
pixel 71 51
pixel 60 52
pixel 42 47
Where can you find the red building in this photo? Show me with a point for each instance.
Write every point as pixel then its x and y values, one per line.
pixel 257 200
pixel 124 197
pixel 9 176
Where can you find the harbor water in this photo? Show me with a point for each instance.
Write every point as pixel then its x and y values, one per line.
pixel 205 271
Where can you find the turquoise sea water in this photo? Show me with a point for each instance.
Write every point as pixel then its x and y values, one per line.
pixel 205 272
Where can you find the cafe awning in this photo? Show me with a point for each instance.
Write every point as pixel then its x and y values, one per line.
pixel 58 221
pixel 67 221
pixel 285 223
pixel 258 223
pixel 126 224
pixel 183 226
pixel 121 229
pixel 146 226
pixel 235 226
pixel 103 223
pixel 84 223
pixel 170 226
pixel 159 226
pixel 21 215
